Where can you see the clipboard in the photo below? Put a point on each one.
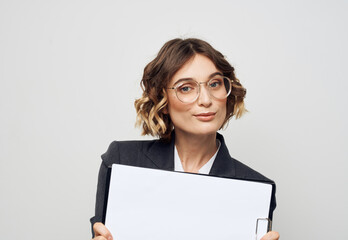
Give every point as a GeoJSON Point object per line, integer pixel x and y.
{"type": "Point", "coordinates": [159, 204]}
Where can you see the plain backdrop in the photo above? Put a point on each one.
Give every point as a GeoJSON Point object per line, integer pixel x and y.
{"type": "Point", "coordinates": [70, 72]}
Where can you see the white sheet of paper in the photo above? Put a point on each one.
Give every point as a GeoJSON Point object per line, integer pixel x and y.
{"type": "Point", "coordinates": [151, 204]}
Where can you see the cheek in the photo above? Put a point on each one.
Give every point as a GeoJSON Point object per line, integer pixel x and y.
{"type": "Point", "coordinates": [178, 111]}
{"type": "Point", "coordinates": [175, 105]}
{"type": "Point", "coordinates": [223, 109]}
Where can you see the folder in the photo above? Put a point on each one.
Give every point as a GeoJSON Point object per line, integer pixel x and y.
{"type": "Point", "coordinates": [144, 203]}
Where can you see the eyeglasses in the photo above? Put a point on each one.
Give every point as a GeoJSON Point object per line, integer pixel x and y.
{"type": "Point", "coordinates": [188, 90]}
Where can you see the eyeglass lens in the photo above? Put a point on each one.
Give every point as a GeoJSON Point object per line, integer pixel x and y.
{"type": "Point", "coordinates": [188, 90]}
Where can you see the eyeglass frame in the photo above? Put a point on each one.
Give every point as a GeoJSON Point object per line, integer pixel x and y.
{"type": "Point", "coordinates": [199, 88]}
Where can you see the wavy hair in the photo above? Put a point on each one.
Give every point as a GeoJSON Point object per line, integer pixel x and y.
{"type": "Point", "coordinates": [171, 57]}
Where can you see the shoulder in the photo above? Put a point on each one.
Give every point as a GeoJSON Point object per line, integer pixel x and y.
{"type": "Point", "coordinates": [227, 166]}
{"type": "Point", "coordinates": [126, 150]}
{"type": "Point", "coordinates": [245, 172]}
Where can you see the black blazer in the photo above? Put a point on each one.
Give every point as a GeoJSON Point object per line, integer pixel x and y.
{"type": "Point", "coordinates": [160, 155]}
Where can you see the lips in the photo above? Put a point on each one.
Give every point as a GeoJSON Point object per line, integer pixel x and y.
{"type": "Point", "coordinates": [205, 116]}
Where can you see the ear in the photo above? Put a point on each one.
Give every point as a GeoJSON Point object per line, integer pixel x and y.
{"type": "Point", "coordinates": [165, 109]}
{"type": "Point", "coordinates": [165, 99]}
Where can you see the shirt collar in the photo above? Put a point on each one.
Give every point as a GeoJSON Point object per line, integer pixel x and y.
{"type": "Point", "coordinates": [205, 169]}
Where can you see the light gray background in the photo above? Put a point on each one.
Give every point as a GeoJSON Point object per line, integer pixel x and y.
{"type": "Point", "coordinates": [70, 72]}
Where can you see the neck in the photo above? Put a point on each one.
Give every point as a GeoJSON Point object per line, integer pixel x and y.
{"type": "Point", "coordinates": [195, 150]}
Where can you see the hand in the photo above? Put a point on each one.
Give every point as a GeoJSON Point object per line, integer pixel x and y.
{"type": "Point", "coordinates": [101, 232]}
{"type": "Point", "coordinates": [271, 236]}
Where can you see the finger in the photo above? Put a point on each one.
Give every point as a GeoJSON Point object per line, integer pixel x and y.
{"type": "Point", "coordinates": [99, 238]}
{"type": "Point", "coordinates": [100, 230]}
{"type": "Point", "coordinates": [272, 235]}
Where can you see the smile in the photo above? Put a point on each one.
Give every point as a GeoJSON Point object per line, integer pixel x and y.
{"type": "Point", "coordinates": [205, 117]}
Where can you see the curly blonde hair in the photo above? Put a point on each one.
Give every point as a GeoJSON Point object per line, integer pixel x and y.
{"type": "Point", "coordinates": [172, 56]}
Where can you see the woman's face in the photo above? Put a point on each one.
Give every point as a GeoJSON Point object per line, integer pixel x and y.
{"type": "Point", "coordinates": [205, 115]}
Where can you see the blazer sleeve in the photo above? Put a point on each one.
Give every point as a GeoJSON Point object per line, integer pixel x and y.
{"type": "Point", "coordinates": [273, 202]}
{"type": "Point", "coordinates": [108, 158]}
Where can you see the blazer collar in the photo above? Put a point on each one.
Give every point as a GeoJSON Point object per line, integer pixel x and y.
{"type": "Point", "coordinates": [224, 165]}
{"type": "Point", "coordinates": [162, 155]}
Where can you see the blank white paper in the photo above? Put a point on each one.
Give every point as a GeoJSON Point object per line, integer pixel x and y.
{"type": "Point", "coordinates": [151, 204]}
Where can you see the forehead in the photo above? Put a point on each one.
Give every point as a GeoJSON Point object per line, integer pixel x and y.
{"type": "Point", "coordinates": [198, 67]}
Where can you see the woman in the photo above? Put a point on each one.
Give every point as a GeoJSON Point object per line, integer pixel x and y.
{"type": "Point", "coordinates": [189, 92]}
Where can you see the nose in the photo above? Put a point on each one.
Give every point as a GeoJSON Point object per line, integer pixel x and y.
{"type": "Point", "coordinates": [204, 98]}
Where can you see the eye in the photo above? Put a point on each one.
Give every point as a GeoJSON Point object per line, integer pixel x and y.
{"type": "Point", "coordinates": [215, 83]}
{"type": "Point", "coordinates": [187, 87]}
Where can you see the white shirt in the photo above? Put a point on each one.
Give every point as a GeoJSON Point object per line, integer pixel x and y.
{"type": "Point", "coordinates": [205, 169]}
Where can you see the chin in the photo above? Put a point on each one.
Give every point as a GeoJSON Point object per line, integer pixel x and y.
{"type": "Point", "coordinates": [199, 128]}
{"type": "Point", "coordinates": [205, 130]}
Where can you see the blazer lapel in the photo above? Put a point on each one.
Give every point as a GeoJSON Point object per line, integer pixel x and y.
{"type": "Point", "coordinates": [162, 154]}
{"type": "Point", "coordinates": [224, 165]}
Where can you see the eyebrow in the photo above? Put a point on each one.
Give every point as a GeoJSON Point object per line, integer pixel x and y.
{"type": "Point", "coordinates": [209, 77]}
